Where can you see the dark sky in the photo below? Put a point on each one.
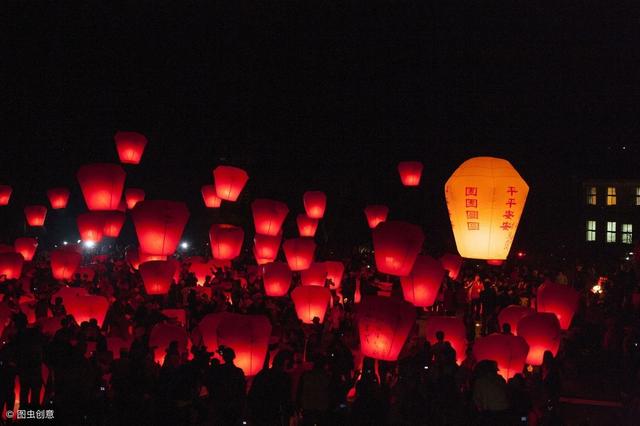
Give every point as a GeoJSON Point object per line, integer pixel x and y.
{"type": "Point", "coordinates": [327, 95]}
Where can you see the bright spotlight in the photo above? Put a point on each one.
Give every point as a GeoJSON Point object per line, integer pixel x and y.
{"type": "Point", "coordinates": [184, 245]}
{"type": "Point", "coordinates": [89, 244]}
{"type": "Point", "coordinates": [64, 243]}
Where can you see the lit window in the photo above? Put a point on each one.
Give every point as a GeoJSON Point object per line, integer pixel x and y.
{"type": "Point", "coordinates": [611, 232]}
{"type": "Point", "coordinates": [637, 195]}
{"type": "Point", "coordinates": [627, 233]}
{"type": "Point", "coordinates": [591, 230]}
{"type": "Point", "coordinates": [611, 196]}
{"type": "Point", "coordinates": [591, 195]}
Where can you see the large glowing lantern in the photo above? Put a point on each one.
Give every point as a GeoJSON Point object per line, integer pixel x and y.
{"type": "Point", "coordinates": [559, 299]}
{"type": "Point", "coordinates": [26, 246]}
{"type": "Point", "coordinates": [299, 252]}
{"type": "Point", "coordinates": [542, 331]}
{"type": "Point", "coordinates": [454, 333]}
{"type": "Point", "coordinates": [102, 185]}
{"type": "Point", "coordinates": [512, 314]}
{"type": "Point", "coordinates": [226, 241]}
{"type": "Point", "coordinates": [248, 336]}
{"type": "Point", "coordinates": [64, 263]}
{"type": "Point", "coordinates": [35, 215]}
{"type": "Point", "coordinates": [162, 334]}
{"type": "Point", "coordinates": [376, 214]}
{"type": "Point", "coordinates": [307, 226]}
{"type": "Point", "coordinates": [311, 302]}
{"type": "Point", "coordinates": [396, 245]}
{"type": "Point", "coordinates": [315, 274]}
{"type": "Point", "coordinates": [229, 182]}
{"type": "Point", "coordinates": [315, 203]}
{"type": "Point", "coordinates": [384, 325]}
{"type": "Point", "coordinates": [452, 263]}
{"type": "Point", "coordinates": [509, 351]}
{"type": "Point", "coordinates": [91, 226]}
{"type": "Point", "coordinates": [113, 222]}
{"type": "Point", "coordinates": [133, 196]}
{"type": "Point", "coordinates": [58, 197]}
{"type": "Point", "coordinates": [148, 257]}
{"type": "Point", "coordinates": [268, 216]}
{"type": "Point", "coordinates": [485, 197]}
{"type": "Point", "coordinates": [85, 308]}
{"type": "Point", "coordinates": [421, 286]}
{"type": "Point", "coordinates": [159, 225]}
{"type": "Point", "coordinates": [410, 172]}
{"type": "Point", "coordinates": [265, 247]}
{"type": "Point", "coordinates": [335, 270]}
{"type": "Point", "coordinates": [210, 197]}
{"type": "Point", "coordinates": [11, 266]}
{"type": "Point", "coordinates": [276, 277]}
{"type": "Point", "coordinates": [157, 275]}
{"type": "Point", "coordinates": [5, 194]}
{"type": "Point", "coordinates": [130, 146]}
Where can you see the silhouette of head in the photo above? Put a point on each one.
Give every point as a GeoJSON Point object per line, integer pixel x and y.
{"type": "Point", "coordinates": [440, 335]}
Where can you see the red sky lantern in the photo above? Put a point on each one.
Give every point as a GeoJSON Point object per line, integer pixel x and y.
{"type": "Point", "coordinates": [226, 241]}
{"type": "Point", "coordinates": [384, 325]}
{"type": "Point", "coordinates": [101, 185]}
{"type": "Point", "coordinates": [396, 245]}
{"type": "Point", "coordinates": [335, 270]}
{"type": "Point", "coordinates": [132, 196]}
{"type": "Point", "coordinates": [299, 252]}
{"type": "Point", "coordinates": [58, 197]}
{"type": "Point", "coordinates": [376, 214]}
{"type": "Point", "coordinates": [130, 146]}
{"type": "Point", "coordinates": [512, 314]}
{"type": "Point", "coordinates": [159, 225]}
{"type": "Point", "coordinates": [265, 247]}
{"type": "Point", "coordinates": [421, 286]}
{"type": "Point", "coordinates": [248, 336]}
{"type": "Point", "coordinates": [5, 194]}
{"type": "Point", "coordinates": [210, 197]}
{"type": "Point", "coordinates": [148, 257]}
{"type": "Point", "coordinates": [307, 226]}
{"type": "Point", "coordinates": [268, 216]}
{"type": "Point", "coordinates": [229, 182]}
{"type": "Point", "coordinates": [35, 215]}
{"type": "Point", "coordinates": [315, 203]}
{"type": "Point", "coordinates": [113, 222]}
{"type": "Point", "coordinates": [26, 246]}
{"type": "Point", "coordinates": [542, 331]}
{"type": "Point", "coordinates": [84, 308]}
{"type": "Point", "coordinates": [410, 172]}
{"type": "Point", "coordinates": [157, 275]}
{"type": "Point", "coordinates": [452, 263]}
{"type": "Point", "coordinates": [559, 299]}
{"type": "Point", "coordinates": [64, 263]}
{"type": "Point", "coordinates": [162, 334]}
{"type": "Point", "coordinates": [315, 274]}
{"type": "Point", "coordinates": [201, 269]}
{"type": "Point", "coordinates": [510, 352]}
{"type": "Point", "coordinates": [495, 262]}
{"type": "Point", "coordinates": [454, 333]}
{"type": "Point", "coordinates": [357, 295]}
{"type": "Point", "coordinates": [10, 266]}
{"type": "Point", "coordinates": [276, 277]}
{"type": "Point", "coordinates": [311, 302]}
{"type": "Point", "coordinates": [91, 226]}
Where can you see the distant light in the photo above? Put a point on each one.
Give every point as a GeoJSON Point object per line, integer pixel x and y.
{"type": "Point", "coordinates": [521, 254]}
{"type": "Point", "coordinates": [184, 245]}
{"type": "Point", "coordinates": [89, 244]}
{"type": "Point", "coordinates": [630, 253]}
{"type": "Point", "coordinates": [79, 241]}
{"type": "Point", "coordinates": [596, 289]}
{"type": "Point", "coordinates": [626, 258]}
{"type": "Point", "coordinates": [64, 243]}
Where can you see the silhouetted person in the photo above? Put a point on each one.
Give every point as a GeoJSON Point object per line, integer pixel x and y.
{"type": "Point", "coordinates": [490, 394]}
{"type": "Point", "coordinates": [228, 389]}
{"type": "Point", "coordinates": [552, 388]}
{"type": "Point", "coordinates": [369, 406]}
{"type": "Point", "coordinates": [506, 328]}
{"type": "Point", "coordinates": [313, 393]}
{"type": "Point", "coordinates": [270, 394]}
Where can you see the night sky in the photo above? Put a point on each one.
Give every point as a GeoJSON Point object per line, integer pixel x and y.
{"type": "Point", "coordinates": [327, 96]}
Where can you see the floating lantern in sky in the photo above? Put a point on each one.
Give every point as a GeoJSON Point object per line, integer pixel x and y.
{"type": "Point", "coordinates": [421, 286]}
{"type": "Point", "coordinates": [91, 226]}
{"type": "Point", "coordinates": [58, 197]}
{"type": "Point", "coordinates": [452, 263]}
{"type": "Point", "coordinates": [315, 203]}
{"type": "Point", "coordinates": [511, 315]}
{"type": "Point", "coordinates": [113, 221]}
{"type": "Point", "coordinates": [376, 214]}
{"type": "Point", "coordinates": [410, 172]}
{"type": "Point", "coordinates": [101, 185]}
{"type": "Point", "coordinates": [268, 216]}
{"type": "Point", "coordinates": [396, 245]}
{"type": "Point", "coordinates": [132, 196]}
{"type": "Point", "coordinates": [559, 299]}
{"type": "Point", "coordinates": [229, 182]}
{"type": "Point", "coordinates": [299, 252]}
{"type": "Point", "coordinates": [266, 247]}
{"type": "Point", "coordinates": [210, 197]}
{"type": "Point", "coordinates": [315, 274]}
{"type": "Point", "coordinates": [276, 277]}
{"type": "Point", "coordinates": [542, 332]}
{"type": "Point", "coordinates": [159, 225]}
{"type": "Point", "coordinates": [248, 336]}
{"type": "Point", "coordinates": [226, 241]}
{"type": "Point", "coordinates": [130, 146]}
{"type": "Point", "coordinates": [10, 266]}
{"type": "Point", "coordinates": [35, 215]}
{"type": "Point", "coordinates": [509, 351]}
{"type": "Point", "coordinates": [5, 194]}
{"type": "Point", "coordinates": [384, 325]}
{"type": "Point", "coordinates": [85, 308]}
{"type": "Point", "coordinates": [310, 302]}
{"type": "Point", "coordinates": [64, 263]}
{"type": "Point", "coordinates": [157, 276]}
{"type": "Point", "coordinates": [26, 246]}
{"type": "Point", "coordinates": [307, 226]}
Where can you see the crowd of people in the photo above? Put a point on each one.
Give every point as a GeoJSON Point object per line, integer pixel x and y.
{"type": "Point", "coordinates": [313, 374]}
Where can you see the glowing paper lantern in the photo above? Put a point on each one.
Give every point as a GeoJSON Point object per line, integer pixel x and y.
{"type": "Point", "coordinates": [132, 196]}
{"type": "Point", "coordinates": [559, 299]}
{"type": "Point", "coordinates": [207, 330]}
{"type": "Point", "coordinates": [157, 275]}
{"type": "Point", "coordinates": [11, 266]}
{"type": "Point", "coordinates": [229, 182]}
{"type": "Point", "coordinates": [162, 334]}
{"type": "Point", "coordinates": [335, 270]}
{"type": "Point", "coordinates": [307, 226]}
{"type": "Point", "coordinates": [485, 197]}
{"type": "Point", "coordinates": [26, 246]}
{"type": "Point", "coordinates": [101, 185]}
{"type": "Point", "coordinates": [113, 222]}
{"type": "Point", "coordinates": [85, 308]}
{"type": "Point", "coordinates": [376, 214]}
{"type": "Point", "coordinates": [35, 215]}
{"type": "Point", "coordinates": [421, 286]}
{"type": "Point", "coordinates": [91, 226]}
{"type": "Point", "coordinates": [384, 325]}
{"type": "Point", "coordinates": [201, 269]}
{"type": "Point", "coordinates": [542, 331]}
{"type": "Point", "coordinates": [265, 247]}
{"type": "Point", "coordinates": [315, 274]}
{"type": "Point", "coordinates": [276, 278]}
{"type": "Point", "coordinates": [310, 302]}
{"type": "Point", "coordinates": [357, 295]}
{"type": "Point", "coordinates": [510, 352]}
{"type": "Point", "coordinates": [58, 197]}
{"type": "Point", "coordinates": [130, 146]}
{"type": "Point", "coordinates": [226, 241]}
{"type": "Point", "coordinates": [512, 314]}
{"type": "Point", "coordinates": [147, 257]}
{"type": "Point", "coordinates": [410, 172]}
{"type": "Point", "coordinates": [494, 262]}
{"type": "Point", "coordinates": [159, 225]}
{"type": "Point", "coordinates": [454, 333]}
{"type": "Point", "coordinates": [64, 263]}
{"type": "Point", "coordinates": [210, 197]}
{"type": "Point", "coordinates": [268, 216]}
{"type": "Point", "coordinates": [452, 263]}
{"type": "Point", "coordinates": [315, 203]}
{"type": "Point", "coordinates": [248, 336]}
{"type": "Point", "coordinates": [396, 246]}
{"type": "Point", "coordinates": [5, 194]}
{"type": "Point", "coordinates": [299, 253]}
